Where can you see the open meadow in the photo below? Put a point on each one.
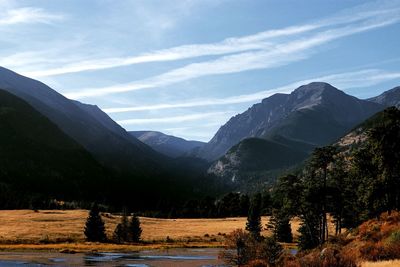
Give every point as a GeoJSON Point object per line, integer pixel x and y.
{"type": "Point", "coordinates": [50, 228]}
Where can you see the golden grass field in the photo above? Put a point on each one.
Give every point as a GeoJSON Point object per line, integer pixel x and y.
{"type": "Point", "coordinates": [393, 263]}
{"type": "Point", "coordinates": [49, 226]}
{"type": "Point", "coordinates": [58, 229]}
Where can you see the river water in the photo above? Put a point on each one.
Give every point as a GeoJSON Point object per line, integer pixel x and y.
{"type": "Point", "coordinates": [152, 258]}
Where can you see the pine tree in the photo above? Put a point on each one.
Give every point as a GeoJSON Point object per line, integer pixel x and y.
{"type": "Point", "coordinates": [253, 224]}
{"type": "Point", "coordinates": [309, 232]}
{"type": "Point", "coordinates": [118, 234]}
{"type": "Point", "coordinates": [135, 231]}
{"type": "Point", "coordinates": [320, 160]}
{"type": "Point", "coordinates": [94, 228]}
{"type": "Point", "coordinates": [121, 233]}
{"type": "Point", "coordinates": [280, 225]}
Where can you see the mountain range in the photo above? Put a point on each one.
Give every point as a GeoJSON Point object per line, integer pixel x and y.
{"type": "Point", "coordinates": [129, 166]}
{"type": "Point", "coordinates": [251, 148]}
{"type": "Point", "coordinates": [88, 125]}
{"type": "Point", "coordinates": [388, 98]}
{"type": "Point", "coordinates": [167, 144]}
{"type": "Point", "coordinates": [283, 129]}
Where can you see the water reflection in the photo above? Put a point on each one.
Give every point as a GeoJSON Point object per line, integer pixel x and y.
{"type": "Point", "coordinates": [173, 257]}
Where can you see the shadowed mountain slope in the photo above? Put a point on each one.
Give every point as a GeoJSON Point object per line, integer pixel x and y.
{"type": "Point", "coordinates": [166, 144]}
{"type": "Point", "coordinates": [38, 158]}
{"type": "Point", "coordinates": [108, 142]}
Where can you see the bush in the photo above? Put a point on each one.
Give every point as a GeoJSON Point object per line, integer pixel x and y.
{"type": "Point", "coordinates": [270, 251]}
{"type": "Point", "coordinates": [331, 256]}
{"type": "Point", "coordinates": [242, 248]}
{"type": "Point", "coordinates": [258, 263]}
{"type": "Point", "coordinates": [239, 248]}
{"type": "Point", "coordinates": [394, 238]}
{"type": "Point", "coordinates": [289, 260]}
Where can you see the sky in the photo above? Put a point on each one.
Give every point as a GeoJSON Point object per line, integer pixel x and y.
{"type": "Point", "coordinates": [184, 67]}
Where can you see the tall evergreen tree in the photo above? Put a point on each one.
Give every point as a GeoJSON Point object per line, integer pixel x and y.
{"type": "Point", "coordinates": [321, 158]}
{"type": "Point", "coordinates": [135, 231]}
{"type": "Point", "coordinates": [280, 225]}
{"type": "Point", "coordinates": [253, 224]}
{"type": "Point", "coordinates": [94, 228]}
{"type": "Point", "coordinates": [309, 231]}
{"type": "Point", "coordinates": [121, 233]}
{"type": "Point", "coordinates": [118, 234]}
{"type": "Point", "coordinates": [385, 147]}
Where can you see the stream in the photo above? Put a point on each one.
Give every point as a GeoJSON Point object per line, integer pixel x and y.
{"type": "Point", "coordinates": [151, 258]}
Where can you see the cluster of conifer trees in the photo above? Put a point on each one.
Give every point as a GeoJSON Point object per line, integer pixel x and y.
{"type": "Point", "coordinates": [126, 231]}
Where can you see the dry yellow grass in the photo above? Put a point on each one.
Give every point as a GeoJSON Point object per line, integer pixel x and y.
{"type": "Point", "coordinates": [49, 226]}
{"type": "Point", "coordinates": [394, 263]}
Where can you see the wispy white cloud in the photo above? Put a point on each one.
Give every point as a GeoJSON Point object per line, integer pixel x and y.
{"type": "Point", "coordinates": [258, 41]}
{"type": "Point", "coordinates": [356, 79]}
{"type": "Point", "coordinates": [175, 119]}
{"type": "Point", "coordinates": [278, 55]}
{"type": "Point", "coordinates": [25, 15]}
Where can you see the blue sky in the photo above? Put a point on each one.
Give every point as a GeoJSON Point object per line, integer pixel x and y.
{"type": "Point", "coordinates": [184, 67]}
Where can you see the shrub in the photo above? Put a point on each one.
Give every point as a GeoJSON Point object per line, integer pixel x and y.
{"type": "Point", "coordinates": [270, 251]}
{"type": "Point", "coordinates": [258, 263]}
{"type": "Point", "coordinates": [394, 237]}
{"type": "Point", "coordinates": [373, 251]}
{"type": "Point", "coordinates": [289, 260]}
{"type": "Point", "coordinates": [330, 256]}
{"type": "Point", "coordinates": [239, 248]}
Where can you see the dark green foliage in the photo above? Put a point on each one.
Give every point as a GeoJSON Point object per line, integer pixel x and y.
{"type": "Point", "coordinates": [244, 205]}
{"type": "Point", "coordinates": [253, 224]}
{"type": "Point", "coordinates": [320, 160]}
{"type": "Point", "coordinates": [266, 203]}
{"type": "Point", "coordinates": [286, 202]}
{"type": "Point", "coordinates": [94, 228]}
{"type": "Point", "coordinates": [280, 225]}
{"type": "Point", "coordinates": [241, 249]}
{"type": "Point", "coordinates": [135, 231]}
{"type": "Point", "coordinates": [229, 205]}
{"type": "Point", "coordinates": [271, 251]}
{"type": "Point", "coordinates": [121, 233]}
{"type": "Point", "coordinates": [352, 183]}
{"type": "Point", "coordinates": [310, 232]}
{"type": "Point", "coordinates": [385, 148]}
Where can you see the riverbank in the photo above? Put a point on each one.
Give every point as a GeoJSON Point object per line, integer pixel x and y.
{"type": "Point", "coordinates": [87, 247]}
